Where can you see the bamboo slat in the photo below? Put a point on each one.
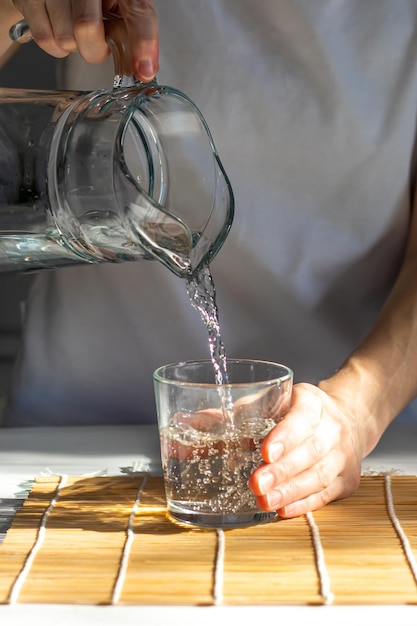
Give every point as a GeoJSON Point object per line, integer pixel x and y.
{"type": "Point", "coordinates": [108, 540]}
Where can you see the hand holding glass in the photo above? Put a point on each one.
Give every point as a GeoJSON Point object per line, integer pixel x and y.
{"type": "Point", "coordinates": [211, 437]}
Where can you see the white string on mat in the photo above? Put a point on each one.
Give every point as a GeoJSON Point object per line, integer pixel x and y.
{"type": "Point", "coordinates": [130, 536]}
{"type": "Point", "coordinates": [325, 587]}
{"type": "Point", "coordinates": [20, 580]}
{"type": "Point", "coordinates": [398, 528]}
{"type": "Point", "coordinates": [219, 568]}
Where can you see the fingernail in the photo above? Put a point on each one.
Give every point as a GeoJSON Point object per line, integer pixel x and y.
{"type": "Point", "coordinates": [275, 451]}
{"type": "Point", "coordinates": [266, 481]}
{"type": "Point", "coordinates": [146, 69]}
{"type": "Point", "coordinates": [274, 498]}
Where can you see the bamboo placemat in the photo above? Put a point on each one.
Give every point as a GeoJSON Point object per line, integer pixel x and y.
{"type": "Point", "coordinates": [107, 540]}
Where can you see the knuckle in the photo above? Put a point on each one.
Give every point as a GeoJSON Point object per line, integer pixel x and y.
{"type": "Point", "coordinates": [316, 447]}
{"type": "Point", "coordinates": [292, 492]}
{"type": "Point", "coordinates": [323, 476]}
{"type": "Point", "coordinates": [283, 471]}
{"type": "Point", "coordinates": [87, 26]}
{"type": "Point", "coordinates": [324, 497]}
{"type": "Point", "coordinates": [66, 42]}
{"type": "Point", "coordinates": [50, 44]}
{"type": "Point", "coordinates": [46, 41]}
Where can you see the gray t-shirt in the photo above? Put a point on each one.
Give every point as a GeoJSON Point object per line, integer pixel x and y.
{"type": "Point", "coordinates": [312, 106]}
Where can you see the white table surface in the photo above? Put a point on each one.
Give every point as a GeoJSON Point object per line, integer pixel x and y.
{"type": "Point", "coordinates": [27, 452]}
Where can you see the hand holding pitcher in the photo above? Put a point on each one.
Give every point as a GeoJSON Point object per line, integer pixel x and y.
{"type": "Point", "coordinates": [60, 27]}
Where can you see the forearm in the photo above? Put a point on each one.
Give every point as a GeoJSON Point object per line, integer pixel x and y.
{"type": "Point", "coordinates": [9, 15]}
{"type": "Point", "coordinates": [380, 377]}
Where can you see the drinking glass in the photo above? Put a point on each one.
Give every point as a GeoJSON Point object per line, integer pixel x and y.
{"type": "Point", "coordinates": [211, 437]}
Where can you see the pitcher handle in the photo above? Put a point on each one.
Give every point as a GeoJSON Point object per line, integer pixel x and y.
{"type": "Point", "coordinates": [116, 38]}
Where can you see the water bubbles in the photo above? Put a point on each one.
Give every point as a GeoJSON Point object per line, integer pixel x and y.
{"type": "Point", "coordinates": [210, 473]}
{"type": "Point", "coordinates": [204, 467]}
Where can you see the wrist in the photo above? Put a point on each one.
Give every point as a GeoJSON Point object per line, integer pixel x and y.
{"type": "Point", "coordinates": [364, 398]}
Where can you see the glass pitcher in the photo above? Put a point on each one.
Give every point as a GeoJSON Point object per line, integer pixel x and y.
{"type": "Point", "coordinates": [112, 175]}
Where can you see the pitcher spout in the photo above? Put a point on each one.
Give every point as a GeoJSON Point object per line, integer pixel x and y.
{"type": "Point", "coordinates": [162, 235]}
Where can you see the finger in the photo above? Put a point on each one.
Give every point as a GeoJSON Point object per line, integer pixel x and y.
{"type": "Point", "coordinates": [88, 26]}
{"type": "Point", "coordinates": [60, 18]}
{"type": "Point", "coordinates": [318, 479]}
{"type": "Point", "coordinates": [271, 475]}
{"type": "Point", "coordinates": [310, 453]}
{"type": "Point", "coordinates": [142, 27]}
{"type": "Point", "coordinates": [37, 16]}
{"type": "Point", "coordinates": [296, 426]}
{"type": "Point", "coordinates": [340, 488]}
